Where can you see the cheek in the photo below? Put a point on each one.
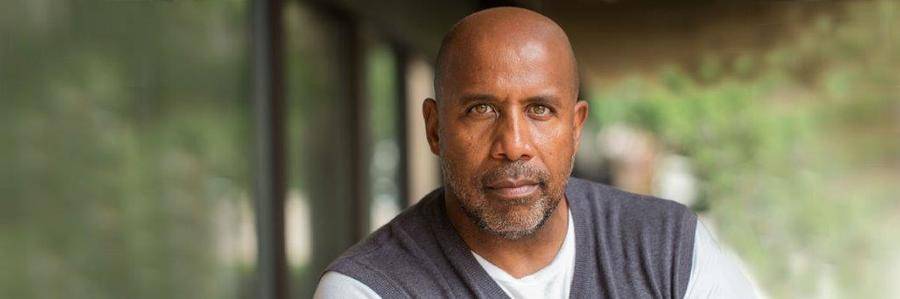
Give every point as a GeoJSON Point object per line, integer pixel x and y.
{"type": "Point", "coordinates": [556, 143]}
{"type": "Point", "coordinates": [467, 147]}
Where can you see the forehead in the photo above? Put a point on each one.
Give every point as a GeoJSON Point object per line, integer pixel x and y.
{"type": "Point", "coordinates": [508, 69]}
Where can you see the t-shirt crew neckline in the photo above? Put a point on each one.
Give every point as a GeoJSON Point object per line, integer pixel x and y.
{"type": "Point", "coordinates": [564, 260]}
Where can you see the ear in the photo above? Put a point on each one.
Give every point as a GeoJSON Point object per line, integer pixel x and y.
{"type": "Point", "coordinates": [581, 114]}
{"type": "Point", "coordinates": [430, 113]}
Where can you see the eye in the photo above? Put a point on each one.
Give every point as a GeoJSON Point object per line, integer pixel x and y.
{"type": "Point", "coordinates": [481, 109]}
{"type": "Point", "coordinates": [539, 110]}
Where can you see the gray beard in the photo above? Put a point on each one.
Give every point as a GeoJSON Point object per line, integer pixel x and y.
{"type": "Point", "coordinates": [495, 218]}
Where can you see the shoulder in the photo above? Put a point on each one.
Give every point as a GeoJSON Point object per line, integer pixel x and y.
{"type": "Point", "coordinates": [635, 233]}
{"type": "Point", "coordinates": [337, 285]}
{"type": "Point", "coordinates": [625, 206]}
{"type": "Point", "coordinates": [716, 273]}
{"type": "Point", "coordinates": [631, 218]}
{"type": "Point", "coordinates": [394, 254]}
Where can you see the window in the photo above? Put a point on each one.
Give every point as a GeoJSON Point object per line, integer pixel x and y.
{"type": "Point", "coordinates": [321, 142]}
{"type": "Point", "coordinates": [126, 157]}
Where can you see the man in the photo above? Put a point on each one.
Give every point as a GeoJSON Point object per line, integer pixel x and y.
{"type": "Point", "coordinates": [509, 222]}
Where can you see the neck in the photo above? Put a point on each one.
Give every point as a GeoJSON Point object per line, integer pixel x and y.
{"type": "Point", "coordinates": [519, 257]}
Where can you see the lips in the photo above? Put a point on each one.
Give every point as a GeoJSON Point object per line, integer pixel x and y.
{"type": "Point", "coordinates": [513, 188]}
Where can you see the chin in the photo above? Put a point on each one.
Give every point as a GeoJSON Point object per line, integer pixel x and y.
{"type": "Point", "coordinates": [514, 221]}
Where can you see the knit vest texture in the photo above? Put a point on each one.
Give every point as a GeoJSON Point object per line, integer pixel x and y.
{"type": "Point", "coordinates": [626, 246]}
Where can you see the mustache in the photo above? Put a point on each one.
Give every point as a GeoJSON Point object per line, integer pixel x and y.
{"type": "Point", "coordinates": [516, 169]}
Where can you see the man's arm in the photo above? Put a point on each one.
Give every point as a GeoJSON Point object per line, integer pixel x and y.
{"type": "Point", "coordinates": [337, 285]}
{"type": "Point", "coordinates": [715, 274]}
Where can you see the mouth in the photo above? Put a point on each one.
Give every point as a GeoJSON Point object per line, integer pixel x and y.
{"type": "Point", "coordinates": [513, 188]}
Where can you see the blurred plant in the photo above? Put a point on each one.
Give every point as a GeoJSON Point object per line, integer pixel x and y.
{"type": "Point", "coordinates": [124, 131]}
{"type": "Point", "coordinates": [796, 149]}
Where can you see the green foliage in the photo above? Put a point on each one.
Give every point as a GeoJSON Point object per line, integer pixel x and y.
{"type": "Point", "coordinates": [124, 128]}
{"type": "Point", "coordinates": [796, 149]}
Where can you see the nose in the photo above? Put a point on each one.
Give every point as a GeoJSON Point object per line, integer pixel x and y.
{"type": "Point", "coordinates": [512, 139]}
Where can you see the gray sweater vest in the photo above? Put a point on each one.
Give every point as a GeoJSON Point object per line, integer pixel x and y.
{"type": "Point", "coordinates": [626, 246]}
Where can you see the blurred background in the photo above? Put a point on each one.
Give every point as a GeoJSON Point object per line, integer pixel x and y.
{"type": "Point", "coordinates": [233, 148]}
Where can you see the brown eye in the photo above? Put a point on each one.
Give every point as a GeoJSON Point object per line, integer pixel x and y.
{"type": "Point", "coordinates": [482, 109]}
{"type": "Point", "coordinates": [539, 110]}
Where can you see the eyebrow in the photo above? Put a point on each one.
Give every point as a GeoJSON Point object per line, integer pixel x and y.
{"type": "Point", "coordinates": [543, 99]}
{"type": "Point", "coordinates": [467, 99]}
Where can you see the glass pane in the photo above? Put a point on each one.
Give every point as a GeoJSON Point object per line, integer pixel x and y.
{"type": "Point", "coordinates": [125, 170]}
{"type": "Point", "coordinates": [320, 147]}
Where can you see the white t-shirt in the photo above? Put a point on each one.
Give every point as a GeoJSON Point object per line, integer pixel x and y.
{"type": "Point", "coordinates": [713, 275]}
{"type": "Point", "coordinates": [553, 281]}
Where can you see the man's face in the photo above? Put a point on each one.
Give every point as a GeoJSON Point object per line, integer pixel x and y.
{"type": "Point", "coordinates": [506, 130]}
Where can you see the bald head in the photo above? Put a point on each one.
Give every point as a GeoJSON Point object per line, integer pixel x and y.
{"type": "Point", "coordinates": [491, 43]}
{"type": "Point", "coordinates": [507, 110]}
